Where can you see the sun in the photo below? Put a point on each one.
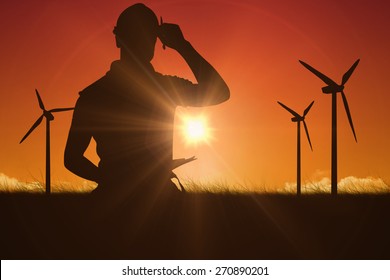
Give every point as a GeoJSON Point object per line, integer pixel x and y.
{"type": "Point", "coordinates": [195, 129]}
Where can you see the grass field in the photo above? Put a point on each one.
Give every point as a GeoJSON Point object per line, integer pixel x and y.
{"type": "Point", "coordinates": [210, 221]}
{"type": "Point", "coordinates": [349, 185]}
{"type": "Point", "coordinates": [195, 226]}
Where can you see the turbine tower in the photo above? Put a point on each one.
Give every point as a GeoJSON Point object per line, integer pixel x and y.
{"type": "Point", "coordinates": [49, 117]}
{"type": "Point", "coordinates": [298, 119]}
{"type": "Point", "coordinates": [333, 88]}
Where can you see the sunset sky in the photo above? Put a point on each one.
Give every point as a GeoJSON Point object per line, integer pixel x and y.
{"type": "Point", "coordinates": [60, 47]}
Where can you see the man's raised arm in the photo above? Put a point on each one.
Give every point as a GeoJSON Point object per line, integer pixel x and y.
{"type": "Point", "coordinates": [212, 89]}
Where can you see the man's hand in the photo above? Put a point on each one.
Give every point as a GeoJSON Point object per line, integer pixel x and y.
{"type": "Point", "coordinates": [171, 36]}
{"type": "Point", "coordinates": [211, 88]}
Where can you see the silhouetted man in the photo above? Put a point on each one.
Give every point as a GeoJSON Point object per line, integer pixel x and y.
{"type": "Point", "coordinates": [130, 111]}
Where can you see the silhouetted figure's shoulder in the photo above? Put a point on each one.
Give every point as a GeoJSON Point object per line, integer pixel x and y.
{"type": "Point", "coordinates": [96, 94]}
{"type": "Point", "coordinates": [95, 88]}
{"type": "Point", "coordinates": [120, 81]}
{"type": "Point", "coordinates": [115, 76]}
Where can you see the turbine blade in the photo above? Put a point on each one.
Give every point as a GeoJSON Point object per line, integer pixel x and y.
{"type": "Point", "coordinates": [308, 109]}
{"type": "Point", "coordinates": [38, 122]}
{"type": "Point", "coordinates": [348, 114]}
{"type": "Point", "coordinates": [60, 110]}
{"type": "Point", "coordinates": [40, 100]}
{"type": "Point", "coordinates": [348, 74]}
{"type": "Point", "coordinates": [324, 78]}
{"type": "Point", "coordinates": [290, 110]}
{"type": "Point", "coordinates": [307, 134]}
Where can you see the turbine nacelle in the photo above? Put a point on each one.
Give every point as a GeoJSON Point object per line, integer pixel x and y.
{"type": "Point", "coordinates": [298, 119]}
{"type": "Point", "coordinates": [333, 89]}
{"type": "Point", "coordinates": [48, 115]}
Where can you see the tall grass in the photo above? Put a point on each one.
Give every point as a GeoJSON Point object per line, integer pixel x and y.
{"type": "Point", "coordinates": [195, 186]}
{"type": "Point", "coordinates": [349, 185]}
{"type": "Point", "coordinates": [12, 185]}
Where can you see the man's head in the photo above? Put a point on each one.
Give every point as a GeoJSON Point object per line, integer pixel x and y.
{"type": "Point", "coordinates": [136, 32]}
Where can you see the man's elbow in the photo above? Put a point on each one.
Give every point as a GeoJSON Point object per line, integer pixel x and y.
{"type": "Point", "coordinates": [212, 94]}
{"type": "Point", "coordinates": [225, 93]}
{"type": "Point", "coordinates": [69, 160]}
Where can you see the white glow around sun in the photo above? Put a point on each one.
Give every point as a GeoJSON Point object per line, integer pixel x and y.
{"type": "Point", "coordinates": [195, 129]}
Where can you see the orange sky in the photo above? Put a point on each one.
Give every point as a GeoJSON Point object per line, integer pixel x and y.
{"type": "Point", "coordinates": [60, 47]}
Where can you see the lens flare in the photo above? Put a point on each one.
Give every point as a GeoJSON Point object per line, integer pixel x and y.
{"type": "Point", "coordinates": [195, 129]}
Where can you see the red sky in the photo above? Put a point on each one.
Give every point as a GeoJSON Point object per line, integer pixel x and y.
{"type": "Point", "coordinates": [60, 47]}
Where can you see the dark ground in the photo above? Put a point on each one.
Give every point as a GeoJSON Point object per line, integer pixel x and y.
{"type": "Point", "coordinates": [196, 226]}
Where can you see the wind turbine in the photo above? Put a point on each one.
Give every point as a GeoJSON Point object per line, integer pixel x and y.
{"type": "Point", "coordinates": [333, 88]}
{"type": "Point", "coordinates": [298, 119]}
{"type": "Point", "coordinates": [49, 117]}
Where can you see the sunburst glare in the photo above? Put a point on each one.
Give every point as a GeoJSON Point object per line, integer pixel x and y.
{"type": "Point", "coordinates": [195, 129]}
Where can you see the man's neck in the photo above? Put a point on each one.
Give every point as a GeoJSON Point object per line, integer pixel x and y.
{"type": "Point", "coordinates": [132, 61]}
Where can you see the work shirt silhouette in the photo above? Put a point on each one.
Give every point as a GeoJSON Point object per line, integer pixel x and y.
{"type": "Point", "coordinates": [130, 111]}
{"type": "Point", "coordinates": [130, 116]}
